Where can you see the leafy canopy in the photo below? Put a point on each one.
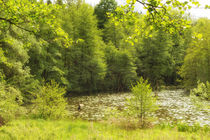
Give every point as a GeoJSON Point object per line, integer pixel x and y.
{"type": "Point", "coordinates": [158, 16]}
{"type": "Point", "coordinates": [29, 15]}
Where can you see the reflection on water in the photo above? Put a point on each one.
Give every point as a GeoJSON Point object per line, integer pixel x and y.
{"type": "Point", "coordinates": [174, 106]}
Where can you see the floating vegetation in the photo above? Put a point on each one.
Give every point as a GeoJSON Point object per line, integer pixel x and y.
{"type": "Point", "coordinates": [175, 106]}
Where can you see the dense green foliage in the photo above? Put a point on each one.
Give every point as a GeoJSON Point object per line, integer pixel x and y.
{"type": "Point", "coordinates": [66, 46]}
{"type": "Point", "coordinates": [84, 60]}
{"type": "Point", "coordinates": [49, 101]}
{"type": "Point", "coordinates": [154, 59]}
{"type": "Point", "coordinates": [88, 49]}
{"type": "Point", "coordinates": [121, 70]}
{"type": "Point", "coordinates": [103, 9]}
{"type": "Point", "coordinates": [202, 91]}
{"type": "Point", "coordinates": [10, 101]}
{"type": "Point", "coordinates": [196, 65]}
{"type": "Point", "coordinates": [201, 95]}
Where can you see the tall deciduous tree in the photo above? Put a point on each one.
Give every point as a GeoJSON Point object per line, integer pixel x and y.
{"type": "Point", "coordinates": [23, 25]}
{"type": "Point", "coordinates": [197, 60]}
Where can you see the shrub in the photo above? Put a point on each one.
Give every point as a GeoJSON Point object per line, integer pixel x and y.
{"type": "Point", "coordinates": [10, 101]}
{"type": "Point", "coordinates": [49, 102]}
{"type": "Point", "coordinates": [143, 102]}
{"type": "Point", "coordinates": [202, 90]}
{"type": "Point", "coordinates": [200, 94]}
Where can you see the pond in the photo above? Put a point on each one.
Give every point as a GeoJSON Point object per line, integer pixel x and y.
{"type": "Point", "coordinates": [174, 105]}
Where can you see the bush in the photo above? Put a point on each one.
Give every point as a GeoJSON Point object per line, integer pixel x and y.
{"type": "Point", "coordinates": [202, 90]}
{"type": "Point", "coordinates": [143, 102]}
{"type": "Point", "coordinates": [10, 101]}
{"type": "Point", "coordinates": [49, 102]}
{"type": "Point", "coordinates": [200, 94]}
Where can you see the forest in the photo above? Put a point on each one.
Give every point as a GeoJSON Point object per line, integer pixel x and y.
{"type": "Point", "coordinates": [57, 57]}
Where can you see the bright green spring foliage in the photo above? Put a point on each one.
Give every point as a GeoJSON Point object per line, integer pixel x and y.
{"type": "Point", "coordinates": [10, 101]}
{"type": "Point", "coordinates": [143, 102]}
{"type": "Point", "coordinates": [202, 91]}
{"type": "Point", "coordinates": [49, 102]}
{"type": "Point", "coordinates": [29, 15]}
{"type": "Point", "coordinates": [158, 15]}
{"type": "Point", "coordinates": [26, 14]}
{"type": "Point", "coordinates": [33, 33]}
{"type": "Point", "coordinates": [30, 42]}
{"type": "Point", "coordinates": [14, 58]}
{"type": "Point", "coordinates": [201, 95]}
{"type": "Point", "coordinates": [196, 65]}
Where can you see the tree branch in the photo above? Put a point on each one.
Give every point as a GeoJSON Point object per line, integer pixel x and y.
{"type": "Point", "coordinates": [13, 23]}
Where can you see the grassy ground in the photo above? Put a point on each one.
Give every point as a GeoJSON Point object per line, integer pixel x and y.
{"type": "Point", "coordinates": [82, 130]}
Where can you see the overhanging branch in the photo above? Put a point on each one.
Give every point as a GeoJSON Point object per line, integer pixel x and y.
{"type": "Point", "coordinates": [15, 24]}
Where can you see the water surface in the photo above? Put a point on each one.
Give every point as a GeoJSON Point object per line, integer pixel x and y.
{"type": "Point", "coordinates": [174, 105]}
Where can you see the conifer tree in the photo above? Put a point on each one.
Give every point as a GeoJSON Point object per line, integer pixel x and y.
{"type": "Point", "coordinates": [84, 60]}
{"type": "Point", "coordinates": [154, 59]}
{"type": "Point", "coordinates": [102, 9]}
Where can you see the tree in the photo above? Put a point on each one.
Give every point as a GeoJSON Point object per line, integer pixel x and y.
{"type": "Point", "coordinates": [102, 9]}
{"type": "Point", "coordinates": [60, 2]}
{"type": "Point", "coordinates": [154, 60]}
{"type": "Point", "coordinates": [46, 62]}
{"type": "Point", "coordinates": [121, 70]}
{"type": "Point", "coordinates": [114, 34]}
{"type": "Point", "coordinates": [157, 15]}
{"type": "Point", "coordinates": [49, 2]}
{"type": "Point", "coordinates": [120, 57]}
{"type": "Point", "coordinates": [143, 102]}
{"type": "Point", "coordinates": [46, 59]}
{"type": "Point", "coordinates": [84, 60]}
{"type": "Point", "coordinates": [15, 57]}
{"type": "Point", "coordinates": [25, 25]}
{"type": "Point", "coordinates": [197, 60]}
{"type": "Point", "coordinates": [28, 15]}
{"type": "Point", "coordinates": [180, 41]}
{"type": "Point", "coordinates": [19, 12]}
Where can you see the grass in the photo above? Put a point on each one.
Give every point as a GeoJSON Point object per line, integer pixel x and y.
{"type": "Point", "coordinates": [83, 130]}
